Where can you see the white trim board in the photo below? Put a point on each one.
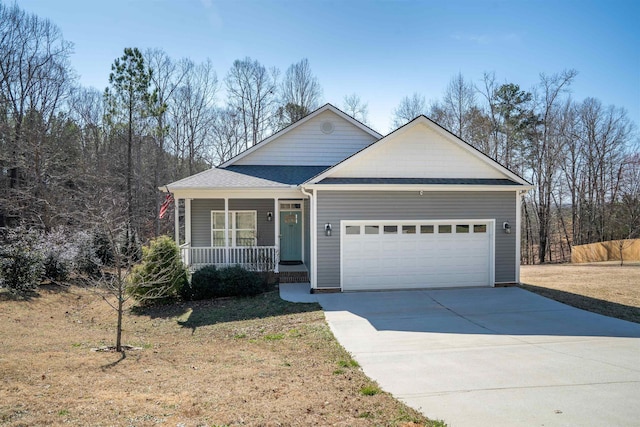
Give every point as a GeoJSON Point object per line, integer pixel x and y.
{"type": "Point", "coordinates": [415, 187]}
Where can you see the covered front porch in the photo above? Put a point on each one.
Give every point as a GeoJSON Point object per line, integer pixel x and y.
{"type": "Point", "coordinates": [245, 229]}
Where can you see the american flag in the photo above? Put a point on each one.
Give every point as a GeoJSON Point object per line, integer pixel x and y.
{"type": "Point", "coordinates": [165, 205]}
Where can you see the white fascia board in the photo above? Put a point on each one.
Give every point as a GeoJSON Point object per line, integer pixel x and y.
{"type": "Point", "coordinates": [326, 107]}
{"type": "Point", "coordinates": [415, 187]}
{"type": "Point", "coordinates": [238, 193]}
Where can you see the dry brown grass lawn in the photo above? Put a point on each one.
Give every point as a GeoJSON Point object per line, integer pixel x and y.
{"type": "Point", "coordinates": [605, 288]}
{"type": "Point", "coordinates": [254, 361]}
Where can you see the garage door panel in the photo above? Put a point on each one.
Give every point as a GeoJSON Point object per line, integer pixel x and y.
{"type": "Point", "coordinates": [417, 260]}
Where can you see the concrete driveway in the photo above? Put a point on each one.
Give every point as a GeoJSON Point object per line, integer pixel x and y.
{"type": "Point", "coordinates": [494, 356]}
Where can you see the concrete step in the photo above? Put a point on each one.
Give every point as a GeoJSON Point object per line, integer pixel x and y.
{"type": "Point", "coordinates": [294, 277]}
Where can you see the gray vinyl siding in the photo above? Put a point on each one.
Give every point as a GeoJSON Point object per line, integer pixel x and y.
{"type": "Point", "coordinates": [334, 206]}
{"type": "Point", "coordinates": [201, 218]}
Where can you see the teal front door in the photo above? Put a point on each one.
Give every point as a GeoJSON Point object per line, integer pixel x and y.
{"type": "Point", "coordinates": [290, 236]}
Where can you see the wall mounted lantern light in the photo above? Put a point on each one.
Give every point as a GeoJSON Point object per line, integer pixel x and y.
{"type": "Point", "coordinates": [506, 227]}
{"type": "Point", "coordinates": [327, 229]}
{"type": "Point", "coordinates": [269, 216]}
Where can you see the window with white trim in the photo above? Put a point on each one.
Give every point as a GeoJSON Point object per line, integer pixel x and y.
{"type": "Point", "coordinates": [242, 228]}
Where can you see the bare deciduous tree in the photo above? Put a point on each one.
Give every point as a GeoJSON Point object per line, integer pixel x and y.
{"type": "Point", "coordinates": [166, 77]}
{"type": "Point", "coordinates": [122, 278]}
{"type": "Point", "coordinates": [252, 92]}
{"type": "Point", "coordinates": [300, 93]}
{"type": "Point", "coordinates": [458, 102]}
{"type": "Point", "coordinates": [34, 80]}
{"type": "Point", "coordinates": [193, 113]}
{"type": "Point", "coordinates": [227, 135]}
{"type": "Point", "coordinates": [544, 152]}
{"type": "Point", "coordinates": [408, 109]}
{"type": "Point", "coordinates": [86, 108]}
{"type": "Point", "coordinates": [356, 108]}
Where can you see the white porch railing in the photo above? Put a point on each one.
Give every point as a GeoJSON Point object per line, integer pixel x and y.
{"type": "Point", "coordinates": [254, 258]}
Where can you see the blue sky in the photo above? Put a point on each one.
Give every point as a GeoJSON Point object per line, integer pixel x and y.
{"type": "Point", "coordinates": [381, 50]}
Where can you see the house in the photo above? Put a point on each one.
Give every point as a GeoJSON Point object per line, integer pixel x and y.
{"type": "Point", "coordinates": [417, 208]}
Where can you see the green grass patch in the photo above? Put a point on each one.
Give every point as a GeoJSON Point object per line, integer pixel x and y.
{"type": "Point", "coordinates": [274, 337]}
{"type": "Point", "coordinates": [350, 363]}
{"type": "Point", "coordinates": [338, 372]}
{"type": "Point", "coordinates": [294, 333]}
{"type": "Point", "coordinates": [405, 417]}
{"type": "Point", "coordinates": [369, 390]}
{"type": "Point", "coordinates": [63, 412]}
{"type": "Point", "coordinates": [365, 415]}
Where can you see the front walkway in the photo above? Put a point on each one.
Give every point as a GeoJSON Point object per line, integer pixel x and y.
{"type": "Point", "coordinates": [499, 356]}
{"type": "Point", "coordinates": [297, 292]}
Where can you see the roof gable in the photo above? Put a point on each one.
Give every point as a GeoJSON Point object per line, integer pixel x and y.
{"type": "Point", "coordinates": [325, 137]}
{"type": "Point", "coordinates": [420, 149]}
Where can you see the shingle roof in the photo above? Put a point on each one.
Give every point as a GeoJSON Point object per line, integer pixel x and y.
{"type": "Point", "coordinates": [222, 178]}
{"type": "Point", "coordinates": [425, 181]}
{"type": "Point", "coordinates": [291, 175]}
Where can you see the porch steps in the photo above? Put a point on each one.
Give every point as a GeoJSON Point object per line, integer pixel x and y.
{"type": "Point", "coordinates": [293, 277]}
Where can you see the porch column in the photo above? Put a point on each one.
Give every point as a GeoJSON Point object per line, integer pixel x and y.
{"type": "Point", "coordinates": [226, 230]}
{"type": "Point", "coordinates": [187, 221]}
{"type": "Point", "coordinates": [314, 239]}
{"type": "Point", "coordinates": [517, 227]}
{"type": "Point", "coordinates": [176, 220]}
{"type": "Point", "coordinates": [276, 219]}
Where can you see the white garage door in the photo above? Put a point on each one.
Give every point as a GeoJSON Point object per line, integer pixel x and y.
{"type": "Point", "coordinates": [420, 254]}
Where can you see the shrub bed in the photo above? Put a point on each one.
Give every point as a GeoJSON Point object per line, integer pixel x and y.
{"type": "Point", "coordinates": [211, 282]}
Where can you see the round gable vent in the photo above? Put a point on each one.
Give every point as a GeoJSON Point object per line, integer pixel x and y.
{"type": "Point", "coordinates": [326, 127]}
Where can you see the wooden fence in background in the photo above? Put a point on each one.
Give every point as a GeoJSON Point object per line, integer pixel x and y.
{"type": "Point", "coordinates": [607, 251]}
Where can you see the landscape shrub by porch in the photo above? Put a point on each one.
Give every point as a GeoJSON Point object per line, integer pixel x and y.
{"type": "Point", "coordinates": [210, 282]}
{"type": "Point", "coordinates": [161, 274]}
{"type": "Point", "coordinates": [204, 283]}
{"type": "Point", "coordinates": [237, 281]}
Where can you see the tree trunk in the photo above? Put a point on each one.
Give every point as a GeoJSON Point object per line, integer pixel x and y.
{"type": "Point", "coordinates": [120, 296]}
{"type": "Point", "coordinates": [119, 327]}
{"type": "Point", "coordinates": [130, 166]}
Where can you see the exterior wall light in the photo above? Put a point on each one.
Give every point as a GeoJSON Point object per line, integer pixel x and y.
{"type": "Point", "coordinates": [269, 216]}
{"type": "Point", "coordinates": [506, 227]}
{"type": "Point", "coordinates": [327, 229]}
